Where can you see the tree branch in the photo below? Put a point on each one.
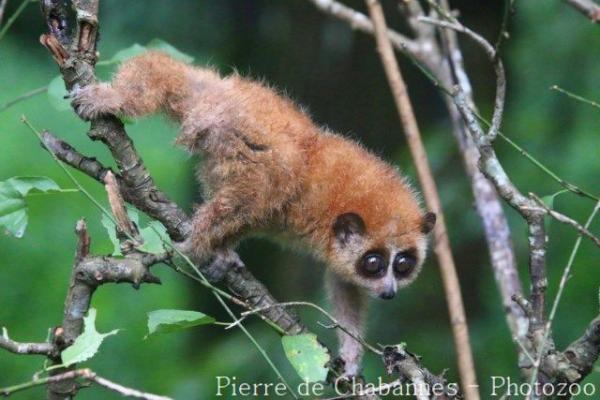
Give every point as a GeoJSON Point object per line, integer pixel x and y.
{"type": "Point", "coordinates": [88, 165]}
{"type": "Point", "coordinates": [88, 273]}
{"type": "Point", "coordinates": [587, 7]}
{"type": "Point", "coordinates": [3, 4]}
{"type": "Point", "coordinates": [583, 353]}
{"type": "Point", "coordinates": [7, 343]}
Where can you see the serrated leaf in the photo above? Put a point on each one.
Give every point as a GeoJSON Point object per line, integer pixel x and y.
{"type": "Point", "coordinates": [159, 44]}
{"type": "Point", "coordinates": [307, 356]}
{"type": "Point", "coordinates": [167, 321]}
{"type": "Point", "coordinates": [87, 344]}
{"type": "Point", "coordinates": [13, 208]}
{"type": "Point", "coordinates": [154, 235]}
{"type": "Point", "coordinates": [57, 94]}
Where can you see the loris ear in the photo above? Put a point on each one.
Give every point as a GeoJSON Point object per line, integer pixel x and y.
{"type": "Point", "coordinates": [428, 222]}
{"type": "Point", "coordinates": [348, 225]}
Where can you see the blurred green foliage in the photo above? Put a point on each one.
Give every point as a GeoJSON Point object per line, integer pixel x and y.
{"type": "Point", "coordinates": [335, 72]}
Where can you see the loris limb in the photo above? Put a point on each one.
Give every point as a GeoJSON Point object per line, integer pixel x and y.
{"type": "Point", "coordinates": [350, 307]}
{"type": "Point", "coordinates": [142, 86]}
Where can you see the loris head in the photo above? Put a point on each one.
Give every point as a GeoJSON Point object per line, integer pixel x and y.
{"type": "Point", "coordinates": [380, 258]}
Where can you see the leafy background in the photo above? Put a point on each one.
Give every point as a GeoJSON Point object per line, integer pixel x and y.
{"type": "Point", "coordinates": [335, 72]}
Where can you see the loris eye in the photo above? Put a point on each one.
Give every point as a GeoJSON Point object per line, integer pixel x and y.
{"type": "Point", "coordinates": [373, 265]}
{"type": "Point", "coordinates": [404, 263]}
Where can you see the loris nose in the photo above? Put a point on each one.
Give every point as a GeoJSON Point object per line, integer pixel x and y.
{"type": "Point", "coordinates": [388, 294]}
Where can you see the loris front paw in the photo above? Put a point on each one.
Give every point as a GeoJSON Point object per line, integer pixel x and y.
{"type": "Point", "coordinates": [221, 261]}
{"type": "Point", "coordinates": [344, 371]}
{"type": "Point", "coordinates": [94, 100]}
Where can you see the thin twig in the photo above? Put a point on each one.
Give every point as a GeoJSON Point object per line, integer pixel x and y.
{"type": "Point", "coordinates": [87, 375]}
{"type": "Point", "coordinates": [22, 97]}
{"type": "Point", "coordinates": [503, 32]}
{"type": "Point", "coordinates": [14, 17]}
{"type": "Point", "coordinates": [575, 96]}
{"type": "Point", "coordinates": [524, 350]}
{"type": "Point", "coordinates": [336, 323]}
{"type": "Point", "coordinates": [441, 246]}
{"type": "Point", "coordinates": [544, 168]}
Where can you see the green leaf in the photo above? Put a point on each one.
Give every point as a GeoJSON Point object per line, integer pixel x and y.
{"type": "Point", "coordinates": [13, 208]}
{"type": "Point", "coordinates": [161, 45]}
{"type": "Point", "coordinates": [307, 356]}
{"type": "Point", "coordinates": [57, 94]}
{"type": "Point", "coordinates": [137, 49]}
{"type": "Point", "coordinates": [549, 202]}
{"type": "Point", "coordinates": [25, 184]}
{"type": "Point", "coordinates": [154, 235]}
{"type": "Point", "coordinates": [129, 52]}
{"type": "Point", "coordinates": [128, 120]}
{"type": "Point", "coordinates": [87, 344]}
{"type": "Point", "coordinates": [167, 321]}
{"type": "Point", "coordinates": [112, 234]}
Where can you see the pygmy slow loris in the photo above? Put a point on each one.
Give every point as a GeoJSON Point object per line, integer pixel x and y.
{"type": "Point", "coordinates": [268, 169]}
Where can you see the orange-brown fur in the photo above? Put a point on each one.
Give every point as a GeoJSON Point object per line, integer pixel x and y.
{"type": "Point", "coordinates": [267, 167]}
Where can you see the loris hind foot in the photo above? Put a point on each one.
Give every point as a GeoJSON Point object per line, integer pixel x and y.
{"type": "Point", "coordinates": [95, 100]}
